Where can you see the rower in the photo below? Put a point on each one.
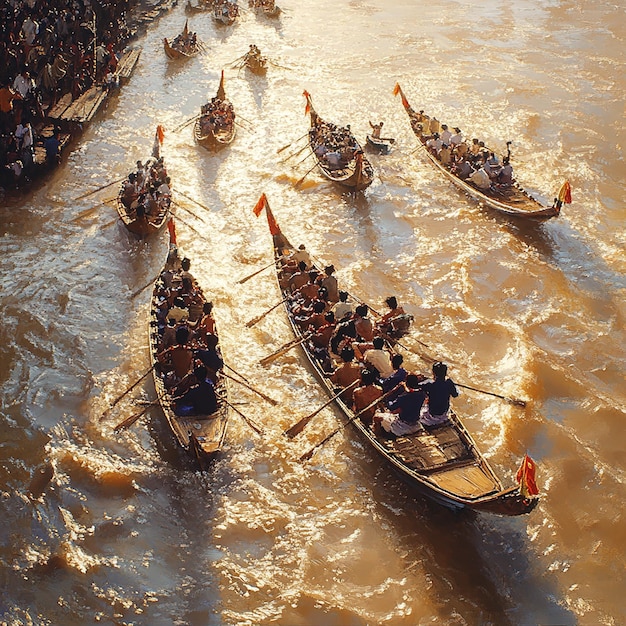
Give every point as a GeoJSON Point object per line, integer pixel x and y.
{"type": "Point", "coordinates": [376, 130]}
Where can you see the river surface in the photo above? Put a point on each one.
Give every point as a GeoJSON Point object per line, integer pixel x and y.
{"type": "Point", "coordinates": [126, 533]}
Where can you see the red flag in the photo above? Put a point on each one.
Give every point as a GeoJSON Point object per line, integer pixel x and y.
{"type": "Point", "coordinates": [172, 228]}
{"type": "Point", "coordinates": [258, 207]}
{"type": "Point", "coordinates": [405, 102]}
{"type": "Point", "coordinates": [565, 193]}
{"type": "Point", "coordinates": [160, 133]}
{"type": "Point", "coordinates": [396, 89]}
{"type": "Point", "coordinates": [526, 477]}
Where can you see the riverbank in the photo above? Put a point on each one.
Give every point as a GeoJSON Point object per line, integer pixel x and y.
{"type": "Point", "coordinates": [58, 110]}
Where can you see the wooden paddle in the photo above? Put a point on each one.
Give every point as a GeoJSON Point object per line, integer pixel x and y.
{"type": "Point", "coordinates": [248, 130]}
{"type": "Point", "coordinates": [514, 401]}
{"type": "Point", "coordinates": [251, 388]}
{"type": "Point", "coordinates": [298, 427]}
{"type": "Point", "coordinates": [299, 182]}
{"type": "Point", "coordinates": [185, 124]}
{"type": "Point", "coordinates": [190, 226]}
{"type": "Point", "coordinates": [202, 206]}
{"type": "Point", "coordinates": [252, 322]}
{"type": "Point", "coordinates": [125, 393]}
{"type": "Point", "coordinates": [184, 208]}
{"type": "Point", "coordinates": [136, 293]}
{"type": "Point", "coordinates": [308, 156]}
{"type": "Point", "coordinates": [90, 193]}
{"type": "Point", "coordinates": [247, 278]}
{"type": "Point", "coordinates": [250, 423]}
{"type": "Point", "coordinates": [295, 154]}
{"type": "Point", "coordinates": [307, 455]}
{"type": "Point", "coordinates": [294, 141]}
{"type": "Point", "coordinates": [292, 344]}
{"type": "Point", "coordinates": [129, 421]}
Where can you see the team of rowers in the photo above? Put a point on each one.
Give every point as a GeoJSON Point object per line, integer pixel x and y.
{"type": "Point", "coordinates": [216, 115]}
{"type": "Point", "coordinates": [267, 5]}
{"type": "Point", "coordinates": [188, 355]}
{"type": "Point", "coordinates": [186, 42]}
{"type": "Point", "coordinates": [146, 193]}
{"type": "Point", "coordinates": [356, 353]}
{"type": "Point", "coordinates": [334, 146]}
{"type": "Point", "coordinates": [225, 10]}
{"type": "Point", "coordinates": [471, 162]}
{"type": "Point", "coordinates": [254, 59]}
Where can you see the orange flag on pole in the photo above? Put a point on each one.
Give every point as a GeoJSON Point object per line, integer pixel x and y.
{"type": "Point", "coordinates": [258, 207]}
{"type": "Point", "coordinates": [271, 222]}
{"type": "Point", "coordinates": [307, 108]}
{"type": "Point", "coordinates": [565, 193]}
{"type": "Point", "coordinates": [396, 89]}
{"type": "Point", "coordinates": [526, 477]}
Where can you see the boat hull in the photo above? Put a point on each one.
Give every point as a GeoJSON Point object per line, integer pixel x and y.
{"type": "Point", "coordinates": [383, 146]}
{"type": "Point", "coordinates": [443, 463]}
{"type": "Point", "coordinates": [200, 436]}
{"type": "Point", "coordinates": [177, 54]}
{"type": "Point", "coordinates": [510, 200]}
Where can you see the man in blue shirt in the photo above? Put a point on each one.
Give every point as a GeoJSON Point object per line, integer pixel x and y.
{"type": "Point", "coordinates": [404, 415]}
{"type": "Point", "coordinates": [200, 399]}
{"type": "Point", "coordinates": [439, 392]}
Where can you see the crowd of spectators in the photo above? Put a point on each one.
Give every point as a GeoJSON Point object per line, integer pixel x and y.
{"type": "Point", "coordinates": [49, 48]}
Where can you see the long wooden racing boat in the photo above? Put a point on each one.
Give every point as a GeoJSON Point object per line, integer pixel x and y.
{"type": "Point", "coordinates": [184, 46]}
{"type": "Point", "coordinates": [509, 199]}
{"type": "Point", "coordinates": [141, 211]}
{"type": "Point", "coordinates": [442, 463]}
{"type": "Point", "coordinates": [216, 128]}
{"type": "Point", "coordinates": [201, 436]}
{"type": "Point", "coordinates": [338, 154]}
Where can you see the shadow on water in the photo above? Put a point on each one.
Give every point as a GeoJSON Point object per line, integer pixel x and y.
{"type": "Point", "coordinates": [258, 85]}
{"type": "Point", "coordinates": [478, 562]}
{"type": "Point", "coordinates": [566, 249]}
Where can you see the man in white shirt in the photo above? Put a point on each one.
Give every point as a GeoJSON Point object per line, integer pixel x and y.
{"type": "Point", "coordinates": [23, 84]}
{"type": "Point", "coordinates": [379, 358]}
{"type": "Point", "coordinates": [480, 178]}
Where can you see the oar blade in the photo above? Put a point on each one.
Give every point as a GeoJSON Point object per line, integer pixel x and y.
{"type": "Point", "coordinates": [297, 428]}
{"type": "Point", "coordinates": [129, 421]}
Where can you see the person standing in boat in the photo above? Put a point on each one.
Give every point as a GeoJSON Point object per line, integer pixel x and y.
{"type": "Point", "coordinates": [505, 176]}
{"type": "Point", "coordinates": [376, 129]}
{"type": "Point", "coordinates": [439, 391]}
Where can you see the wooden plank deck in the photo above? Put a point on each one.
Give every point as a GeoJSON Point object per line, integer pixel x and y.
{"type": "Point", "coordinates": [127, 63]}
{"type": "Point", "coordinates": [57, 110]}
{"type": "Point", "coordinates": [430, 450]}
{"type": "Point", "coordinates": [84, 108]}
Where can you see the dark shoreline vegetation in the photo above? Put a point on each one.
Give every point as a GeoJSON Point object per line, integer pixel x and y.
{"type": "Point", "coordinates": [58, 65]}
